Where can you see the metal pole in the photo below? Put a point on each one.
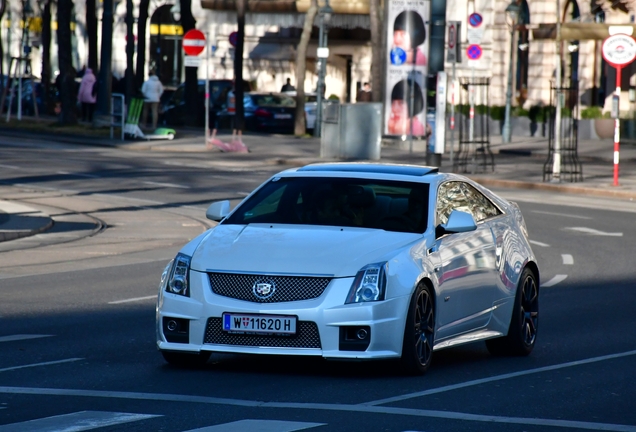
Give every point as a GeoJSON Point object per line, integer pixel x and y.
{"type": "Point", "coordinates": [452, 120]}
{"type": "Point", "coordinates": [207, 87]}
{"type": "Point", "coordinates": [318, 124]}
{"type": "Point", "coordinates": [104, 79]}
{"type": "Point", "coordinates": [507, 130]}
{"type": "Point", "coordinates": [411, 90]}
{"type": "Point", "coordinates": [471, 113]}
{"type": "Point", "coordinates": [617, 124]}
{"type": "Point", "coordinates": [556, 167]}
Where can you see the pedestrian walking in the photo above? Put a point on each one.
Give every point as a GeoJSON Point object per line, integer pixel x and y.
{"type": "Point", "coordinates": [364, 94]}
{"type": "Point", "coordinates": [152, 90]}
{"type": "Point", "coordinates": [87, 94]}
{"type": "Point", "coordinates": [287, 86]}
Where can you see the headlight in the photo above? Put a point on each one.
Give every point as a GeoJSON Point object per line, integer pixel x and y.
{"type": "Point", "coordinates": [369, 284]}
{"type": "Point", "coordinates": [164, 276]}
{"type": "Point", "coordinates": [177, 282]}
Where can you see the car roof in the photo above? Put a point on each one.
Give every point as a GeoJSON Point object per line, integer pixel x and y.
{"type": "Point", "coordinates": [371, 168]}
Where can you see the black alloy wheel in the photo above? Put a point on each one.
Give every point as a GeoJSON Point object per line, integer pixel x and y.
{"type": "Point", "coordinates": [524, 324]}
{"type": "Point", "coordinates": [419, 334]}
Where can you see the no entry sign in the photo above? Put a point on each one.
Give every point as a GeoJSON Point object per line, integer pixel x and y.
{"type": "Point", "coordinates": [193, 42]}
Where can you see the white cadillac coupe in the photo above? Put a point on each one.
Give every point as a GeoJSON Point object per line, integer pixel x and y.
{"type": "Point", "coordinates": [354, 261]}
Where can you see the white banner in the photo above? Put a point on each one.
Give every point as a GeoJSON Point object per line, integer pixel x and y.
{"type": "Point", "coordinates": [407, 67]}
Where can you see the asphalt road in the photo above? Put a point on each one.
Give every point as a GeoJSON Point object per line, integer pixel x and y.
{"type": "Point", "coordinates": [77, 347]}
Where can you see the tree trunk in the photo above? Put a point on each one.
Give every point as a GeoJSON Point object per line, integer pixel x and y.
{"type": "Point", "coordinates": [239, 117]}
{"type": "Point", "coordinates": [91, 31]}
{"type": "Point", "coordinates": [130, 52]}
{"type": "Point", "coordinates": [191, 79]}
{"type": "Point", "coordinates": [140, 69]}
{"type": "Point", "coordinates": [46, 57]}
{"type": "Point", "coordinates": [301, 67]}
{"type": "Point", "coordinates": [67, 72]}
{"type": "Point", "coordinates": [377, 50]}
{"type": "Point", "coordinates": [3, 6]}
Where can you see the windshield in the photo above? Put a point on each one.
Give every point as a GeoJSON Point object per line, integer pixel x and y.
{"type": "Point", "coordinates": [365, 203]}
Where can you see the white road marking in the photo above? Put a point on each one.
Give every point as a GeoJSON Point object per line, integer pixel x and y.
{"type": "Point", "coordinates": [502, 377]}
{"type": "Point", "coordinates": [170, 185]}
{"type": "Point", "coordinates": [78, 174]}
{"type": "Point", "coordinates": [22, 337]}
{"type": "Point", "coordinates": [10, 167]}
{"type": "Point", "coordinates": [368, 407]}
{"type": "Point", "coordinates": [536, 243]}
{"type": "Point", "coordinates": [259, 425]}
{"type": "Point", "coordinates": [555, 280]}
{"type": "Point", "coordinates": [561, 214]}
{"type": "Point", "coordinates": [41, 364]}
{"type": "Point", "coordinates": [567, 259]}
{"type": "Point", "coordinates": [592, 231]}
{"type": "Point", "coordinates": [133, 299]}
{"type": "Point", "coordinates": [75, 422]}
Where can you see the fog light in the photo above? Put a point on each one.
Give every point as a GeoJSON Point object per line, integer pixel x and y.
{"type": "Point", "coordinates": [362, 334]}
{"type": "Point", "coordinates": [172, 325]}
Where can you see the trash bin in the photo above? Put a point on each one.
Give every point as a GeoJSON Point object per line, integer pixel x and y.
{"type": "Point", "coordinates": [351, 131]}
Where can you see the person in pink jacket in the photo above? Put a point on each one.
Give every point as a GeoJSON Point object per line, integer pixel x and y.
{"type": "Point", "coordinates": [87, 94]}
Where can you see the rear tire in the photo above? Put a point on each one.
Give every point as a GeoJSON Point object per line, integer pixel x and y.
{"type": "Point", "coordinates": [186, 360]}
{"type": "Point", "coordinates": [419, 332]}
{"type": "Point", "coordinates": [524, 323]}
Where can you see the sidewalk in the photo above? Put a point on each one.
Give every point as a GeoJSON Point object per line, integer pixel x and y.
{"type": "Point", "coordinates": [519, 164]}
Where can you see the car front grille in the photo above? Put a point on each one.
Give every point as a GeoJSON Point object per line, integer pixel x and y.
{"type": "Point", "coordinates": [281, 288]}
{"type": "Point", "coordinates": [307, 336]}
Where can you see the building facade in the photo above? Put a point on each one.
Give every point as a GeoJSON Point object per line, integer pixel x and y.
{"type": "Point", "coordinates": [273, 33]}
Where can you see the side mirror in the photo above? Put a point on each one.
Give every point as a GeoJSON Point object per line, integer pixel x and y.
{"type": "Point", "coordinates": [458, 222]}
{"type": "Point", "coordinates": [218, 210]}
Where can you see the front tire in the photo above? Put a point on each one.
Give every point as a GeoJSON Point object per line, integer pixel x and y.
{"type": "Point", "coordinates": [186, 360]}
{"type": "Point", "coordinates": [522, 333]}
{"type": "Point", "coordinates": [419, 333]}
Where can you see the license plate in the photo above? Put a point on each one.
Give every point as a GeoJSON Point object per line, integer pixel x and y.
{"type": "Point", "coordinates": [282, 116]}
{"type": "Point", "coordinates": [259, 324]}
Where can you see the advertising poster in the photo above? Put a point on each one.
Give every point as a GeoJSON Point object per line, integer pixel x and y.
{"type": "Point", "coordinates": [407, 67]}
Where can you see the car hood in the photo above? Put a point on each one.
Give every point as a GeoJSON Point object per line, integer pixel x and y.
{"type": "Point", "coordinates": [296, 249]}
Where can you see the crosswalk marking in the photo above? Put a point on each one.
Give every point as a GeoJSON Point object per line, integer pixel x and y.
{"type": "Point", "coordinates": [22, 337]}
{"type": "Point", "coordinates": [75, 422]}
{"type": "Point", "coordinates": [258, 426]}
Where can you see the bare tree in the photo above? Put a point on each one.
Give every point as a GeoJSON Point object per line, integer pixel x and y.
{"type": "Point", "coordinates": [91, 31]}
{"type": "Point", "coordinates": [141, 43]}
{"type": "Point", "coordinates": [301, 68]}
{"type": "Point", "coordinates": [239, 116]}
{"type": "Point", "coordinates": [46, 54]}
{"type": "Point", "coordinates": [191, 78]}
{"type": "Point", "coordinates": [3, 6]}
{"type": "Point", "coordinates": [377, 50]}
{"type": "Point", "coordinates": [67, 72]}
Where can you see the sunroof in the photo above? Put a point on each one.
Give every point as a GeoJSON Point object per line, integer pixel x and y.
{"type": "Point", "coordinates": [411, 170]}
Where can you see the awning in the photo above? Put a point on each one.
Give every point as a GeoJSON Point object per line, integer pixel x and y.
{"type": "Point", "coordinates": [290, 20]}
{"type": "Point", "coordinates": [273, 51]}
{"type": "Point", "coordinates": [299, 6]}
{"type": "Point", "coordinates": [576, 31]}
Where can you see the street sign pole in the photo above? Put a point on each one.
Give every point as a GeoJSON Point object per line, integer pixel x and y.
{"type": "Point", "coordinates": [475, 33]}
{"type": "Point", "coordinates": [617, 125]}
{"type": "Point", "coordinates": [207, 87]}
{"type": "Point", "coordinates": [618, 50]}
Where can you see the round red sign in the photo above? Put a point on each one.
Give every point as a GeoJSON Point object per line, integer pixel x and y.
{"type": "Point", "coordinates": [193, 42]}
{"type": "Point", "coordinates": [619, 50]}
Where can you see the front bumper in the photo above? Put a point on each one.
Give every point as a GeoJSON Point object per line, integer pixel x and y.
{"type": "Point", "coordinates": [328, 314]}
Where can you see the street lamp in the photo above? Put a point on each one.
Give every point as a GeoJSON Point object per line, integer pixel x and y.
{"type": "Point", "coordinates": [512, 13]}
{"type": "Point", "coordinates": [324, 15]}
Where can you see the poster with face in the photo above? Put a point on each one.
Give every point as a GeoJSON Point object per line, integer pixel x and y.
{"type": "Point", "coordinates": [407, 41]}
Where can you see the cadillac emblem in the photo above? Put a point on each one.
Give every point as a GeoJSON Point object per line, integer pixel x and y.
{"type": "Point", "coordinates": [264, 288]}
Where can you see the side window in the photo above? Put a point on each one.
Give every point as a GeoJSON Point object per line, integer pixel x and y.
{"type": "Point", "coordinates": [462, 196]}
{"type": "Point", "coordinates": [267, 206]}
